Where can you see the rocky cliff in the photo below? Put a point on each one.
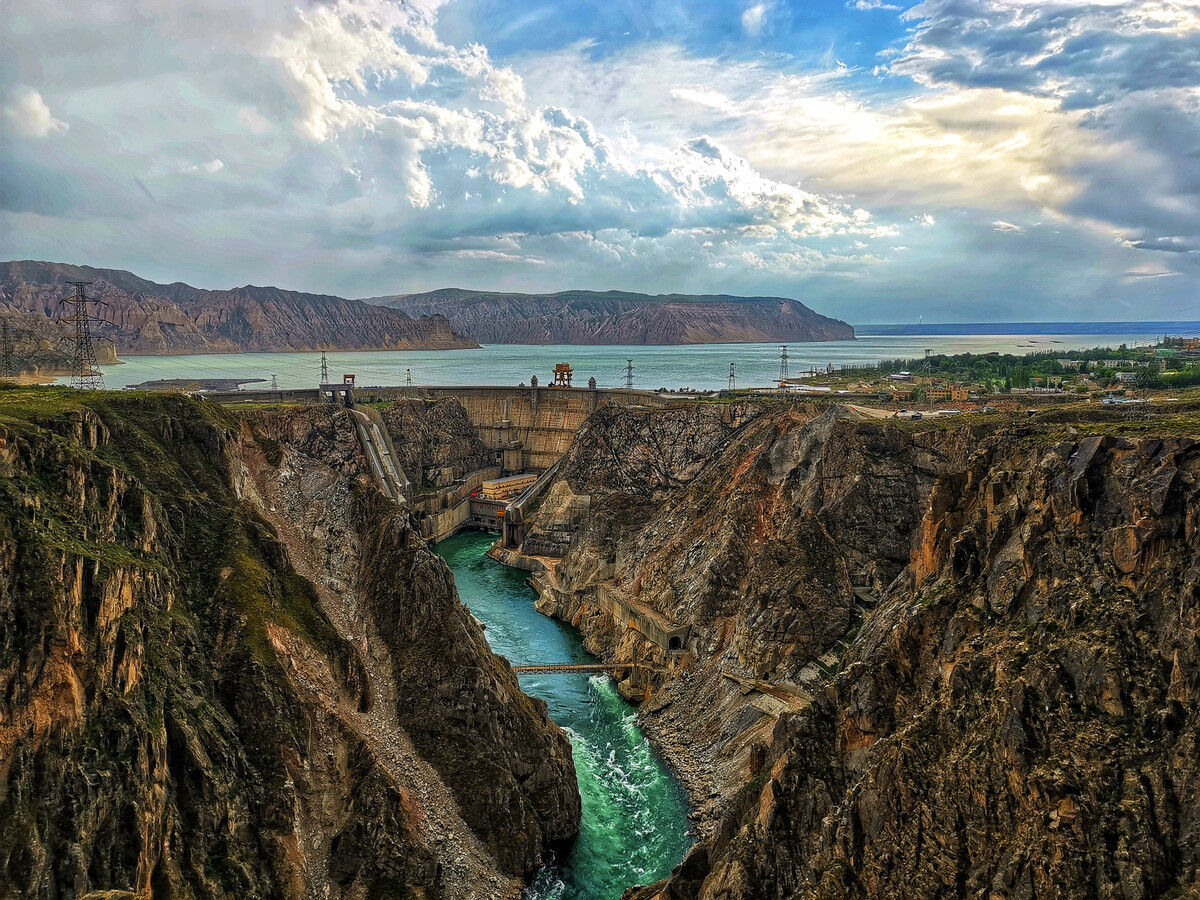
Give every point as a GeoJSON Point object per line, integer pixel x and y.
{"type": "Point", "coordinates": [435, 440]}
{"type": "Point", "coordinates": [919, 661]}
{"type": "Point", "coordinates": [615, 317]}
{"type": "Point", "coordinates": [231, 668]}
{"type": "Point", "coordinates": [139, 316]}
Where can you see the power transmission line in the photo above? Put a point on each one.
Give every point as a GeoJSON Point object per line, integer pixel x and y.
{"type": "Point", "coordinates": [85, 374]}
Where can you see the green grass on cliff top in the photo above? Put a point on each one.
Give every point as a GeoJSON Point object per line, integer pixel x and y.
{"type": "Point", "coordinates": [39, 404]}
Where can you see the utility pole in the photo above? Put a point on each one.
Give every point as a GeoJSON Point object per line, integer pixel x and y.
{"type": "Point", "coordinates": [408, 377]}
{"type": "Point", "coordinates": [783, 365]}
{"type": "Point", "coordinates": [732, 380]}
{"type": "Point", "coordinates": [84, 373]}
{"type": "Point", "coordinates": [6, 348]}
{"type": "Point", "coordinates": [324, 369]}
{"type": "Point", "coordinates": [274, 382]}
{"type": "Point", "coordinates": [629, 374]}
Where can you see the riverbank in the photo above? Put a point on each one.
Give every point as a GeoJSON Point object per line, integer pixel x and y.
{"type": "Point", "coordinates": [635, 811]}
{"type": "Point", "coordinates": [666, 726]}
{"type": "Point", "coordinates": [666, 723]}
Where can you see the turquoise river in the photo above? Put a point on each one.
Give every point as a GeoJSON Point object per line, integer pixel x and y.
{"type": "Point", "coordinates": [635, 825]}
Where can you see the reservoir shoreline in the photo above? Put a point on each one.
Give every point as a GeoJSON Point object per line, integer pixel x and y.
{"type": "Point", "coordinates": [696, 366]}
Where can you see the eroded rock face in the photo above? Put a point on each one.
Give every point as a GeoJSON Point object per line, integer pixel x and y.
{"type": "Point", "coordinates": [942, 663]}
{"type": "Point", "coordinates": [143, 317]}
{"type": "Point", "coordinates": [231, 668]}
{"type": "Point", "coordinates": [435, 440]}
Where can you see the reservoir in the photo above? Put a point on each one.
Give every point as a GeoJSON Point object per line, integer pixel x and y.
{"type": "Point", "coordinates": [700, 366]}
{"type": "Point", "coordinates": [635, 826]}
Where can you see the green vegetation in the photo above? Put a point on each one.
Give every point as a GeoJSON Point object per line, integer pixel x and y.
{"type": "Point", "coordinates": [163, 452]}
{"type": "Point", "coordinates": [1001, 372]}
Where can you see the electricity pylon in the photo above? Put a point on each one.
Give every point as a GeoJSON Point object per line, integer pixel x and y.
{"type": "Point", "coordinates": [85, 375]}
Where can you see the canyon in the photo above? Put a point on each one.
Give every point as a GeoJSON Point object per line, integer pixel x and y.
{"type": "Point", "coordinates": [925, 661]}
{"type": "Point", "coordinates": [950, 657]}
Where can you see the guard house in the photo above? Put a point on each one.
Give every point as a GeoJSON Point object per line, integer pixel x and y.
{"type": "Point", "coordinates": [562, 375]}
{"type": "Point", "coordinates": [342, 392]}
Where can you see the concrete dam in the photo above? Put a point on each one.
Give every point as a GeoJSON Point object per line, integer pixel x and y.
{"type": "Point", "coordinates": [527, 429]}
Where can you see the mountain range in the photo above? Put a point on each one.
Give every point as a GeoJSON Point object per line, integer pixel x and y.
{"type": "Point", "coordinates": [136, 316]}
{"type": "Point", "coordinates": [620, 317]}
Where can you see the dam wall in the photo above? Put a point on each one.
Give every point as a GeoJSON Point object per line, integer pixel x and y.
{"type": "Point", "coordinates": [452, 496]}
{"type": "Point", "coordinates": [438, 526]}
{"type": "Point", "coordinates": [531, 427]}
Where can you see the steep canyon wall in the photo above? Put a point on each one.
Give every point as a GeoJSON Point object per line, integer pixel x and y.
{"type": "Point", "coordinates": [925, 661]}
{"type": "Point", "coordinates": [232, 668]}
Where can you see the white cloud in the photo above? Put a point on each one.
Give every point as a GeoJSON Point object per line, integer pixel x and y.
{"type": "Point", "coordinates": [754, 17]}
{"type": "Point", "coordinates": [866, 5]}
{"type": "Point", "coordinates": [1150, 270]}
{"type": "Point", "coordinates": [704, 97]}
{"type": "Point", "coordinates": [254, 121]}
{"type": "Point", "coordinates": [30, 114]}
{"type": "Point", "coordinates": [460, 104]}
{"type": "Point", "coordinates": [978, 145]}
{"type": "Point", "coordinates": [495, 256]}
{"type": "Point", "coordinates": [1007, 227]}
{"type": "Point", "coordinates": [349, 129]}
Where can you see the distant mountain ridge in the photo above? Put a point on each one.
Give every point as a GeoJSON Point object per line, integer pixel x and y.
{"type": "Point", "coordinates": [620, 317]}
{"type": "Point", "coordinates": [143, 317]}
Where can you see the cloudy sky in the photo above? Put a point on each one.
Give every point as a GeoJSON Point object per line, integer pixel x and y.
{"type": "Point", "coordinates": [964, 160]}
